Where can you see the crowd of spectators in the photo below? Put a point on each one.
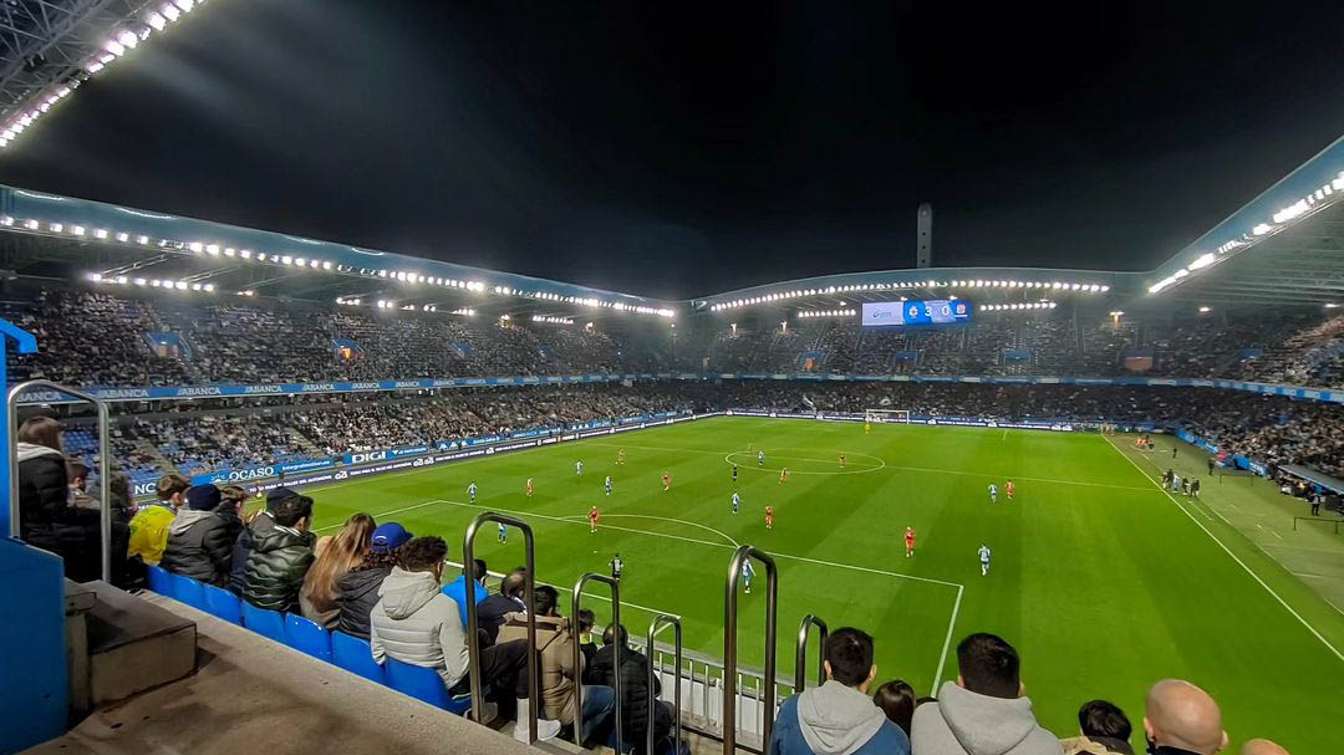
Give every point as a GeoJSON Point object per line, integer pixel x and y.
{"type": "Point", "coordinates": [199, 437]}
{"type": "Point", "coordinates": [101, 338]}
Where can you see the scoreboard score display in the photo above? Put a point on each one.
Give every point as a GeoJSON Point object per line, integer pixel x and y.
{"type": "Point", "coordinates": [928, 312]}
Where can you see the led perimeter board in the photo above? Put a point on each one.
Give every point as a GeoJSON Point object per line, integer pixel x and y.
{"type": "Point", "coordinates": [930, 312]}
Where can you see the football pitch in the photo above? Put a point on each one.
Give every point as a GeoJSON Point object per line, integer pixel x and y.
{"type": "Point", "coordinates": [1102, 581]}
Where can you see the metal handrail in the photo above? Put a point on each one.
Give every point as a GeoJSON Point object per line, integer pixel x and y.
{"type": "Point", "coordinates": [104, 457]}
{"type": "Point", "coordinates": [740, 557]}
{"type": "Point", "coordinates": [473, 622]}
{"type": "Point", "coordinates": [617, 647]}
{"type": "Point", "coordinates": [800, 659]}
{"type": "Point", "coordinates": [659, 621]}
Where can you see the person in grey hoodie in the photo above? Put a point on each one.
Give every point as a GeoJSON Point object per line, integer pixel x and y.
{"type": "Point", "coordinates": [839, 717]}
{"type": "Point", "coordinates": [983, 712]}
{"type": "Point", "coordinates": [413, 622]}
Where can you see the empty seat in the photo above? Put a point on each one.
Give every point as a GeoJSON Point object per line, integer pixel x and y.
{"type": "Point", "coordinates": [223, 604]}
{"type": "Point", "coordinates": [353, 655]}
{"type": "Point", "coordinates": [188, 590]}
{"type": "Point", "coordinates": [269, 624]}
{"type": "Point", "coordinates": [160, 581]}
{"type": "Point", "coordinates": [306, 636]}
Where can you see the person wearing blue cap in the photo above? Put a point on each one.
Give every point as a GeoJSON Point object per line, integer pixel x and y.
{"type": "Point", "coordinates": [357, 589]}
{"type": "Point", "coordinates": [200, 541]}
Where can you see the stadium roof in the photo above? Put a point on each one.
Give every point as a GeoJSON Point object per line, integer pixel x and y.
{"type": "Point", "coordinates": [1285, 247]}
{"type": "Point", "coordinates": [48, 48]}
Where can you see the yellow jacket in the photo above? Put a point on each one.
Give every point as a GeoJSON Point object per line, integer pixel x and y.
{"type": "Point", "coordinates": [149, 533]}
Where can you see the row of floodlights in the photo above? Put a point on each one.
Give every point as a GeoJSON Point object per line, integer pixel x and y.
{"type": "Point", "coordinates": [165, 283]}
{"type": "Point", "coordinates": [388, 304]}
{"type": "Point", "coordinates": [201, 248]}
{"type": "Point", "coordinates": [808, 314]}
{"type": "Point", "coordinates": [552, 320]}
{"type": "Point", "coordinates": [122, 41]}
{"type": "Point", "coordinates": [1018, 306]}
{"type": "Point", "coordinates": [1084, 288]}
{"type": "Point", "coordinates": [1318, 198]}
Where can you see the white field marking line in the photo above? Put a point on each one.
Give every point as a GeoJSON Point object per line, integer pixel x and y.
{"type": "Point", "coordinates": [787, 556]}
{"type": "Point", "coordinates": [947, 642]}
{"type": "Point", "coordinates": [956, 607]}
{"type": "Point", "coordinates": [882, 464]}
{"type": "Point", "coordinates": [932, 470]}
{"type": "Point", "coordinates": [1229, 552]}
{"type": "Point", "coordinates": [567, 589]}
{"type": "Point", "coordinates": [436, 502]}
{"type": "Point", "coordinates": [705, 527]}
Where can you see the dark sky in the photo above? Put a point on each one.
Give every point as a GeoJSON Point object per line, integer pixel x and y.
{"type": "Point", "coordinates": [677, 149]}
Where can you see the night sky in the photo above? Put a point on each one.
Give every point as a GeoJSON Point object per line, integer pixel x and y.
{"type": "Point", "coordinates": [675, 149]}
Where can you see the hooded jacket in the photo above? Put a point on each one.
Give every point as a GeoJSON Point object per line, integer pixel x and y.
{"type": "Point", "coordinates": [242, 548]}
{"type": "Point", "coordinates": [966, 723]}
{"type": "Point", "coordinates": [200, 546]}
{"type": "Point", "coordinates": [276, 566]}
{"type": "Point", "coordinates": [557, 661]}
{"type": "Point", "coordinates": [356, 595]}
{"type": "Point", "coordinates": [414, 623]}
{"type": "Point", "coordinates": [44, 491]}
{"type": "Point", "coordinates": [835, 719]}
{"type": "Point", "coordinates": [48, 520]}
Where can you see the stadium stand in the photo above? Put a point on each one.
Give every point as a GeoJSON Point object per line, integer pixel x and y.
{"type": "Point", "coordinates": [263, 342]}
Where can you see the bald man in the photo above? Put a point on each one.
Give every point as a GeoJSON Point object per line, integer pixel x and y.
{"type": "Point", "coordinates": [1262, 747]}
{"type": "Point", "coordinates": [1183, 719]}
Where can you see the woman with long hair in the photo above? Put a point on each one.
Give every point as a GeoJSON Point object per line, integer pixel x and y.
{"type": "Point", "coordinates": [344, 552]}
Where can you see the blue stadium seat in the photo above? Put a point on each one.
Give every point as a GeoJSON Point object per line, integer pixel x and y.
{"type": "Point", "coordinates": [353, 655]}
{"type": "Point", "coordinates": [223, 604]}
{"type": "Point", "coordinates": [306, 636]}
{"type": "Point", "coordinates": [424, 684]}
{"type": "Point", "coordinates": [269, 624]}
{"type": "Point", "coordinates": [160, 581]}
{"type": "Point", "coordinates": [188, 590]}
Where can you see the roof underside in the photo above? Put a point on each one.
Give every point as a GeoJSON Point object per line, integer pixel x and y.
{"type": "Point", "coordinates": [1301, 265]}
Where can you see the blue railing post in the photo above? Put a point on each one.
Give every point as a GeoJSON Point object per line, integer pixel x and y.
{"type": "Point", "coordinates": [23, 343]}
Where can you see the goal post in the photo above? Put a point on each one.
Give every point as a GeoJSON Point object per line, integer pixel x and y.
{"type": "Point", "coordinates": [887, 415]}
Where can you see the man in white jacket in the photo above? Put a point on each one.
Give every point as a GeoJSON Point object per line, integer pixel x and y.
{"type": "Point", "coordinates": [414, 622]}
{"type": "Point", "coordinates": [984, 712]}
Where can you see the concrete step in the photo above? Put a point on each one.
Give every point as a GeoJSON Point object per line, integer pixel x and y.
{"type": "Point", "coordinates": [134, 645]}
{"type": "Point", "coordinates": [254, 695]}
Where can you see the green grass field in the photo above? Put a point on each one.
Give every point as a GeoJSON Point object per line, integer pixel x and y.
{"type": "Point", "coordinates": [1102, 581]}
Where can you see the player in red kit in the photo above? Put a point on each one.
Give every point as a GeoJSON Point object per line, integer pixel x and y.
{"type": "Point", "coordinates": [1008, 489]}
{"type": "Point", "coordinates": [909, 542]}
{"type": "Point", "coordinates": [593, 516]}
{"type": "Point", "coordinates": [769, 517]}
{"type": "Point", "coordinates": [667, 482]}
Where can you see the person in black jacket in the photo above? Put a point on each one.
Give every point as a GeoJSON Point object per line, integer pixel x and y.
{"type": "Point", "coordinates": [490, 612]}
{"type": "Point", "coordinates": [47, 520]}
{"type": "Point", "coordinates": [200, 541]}
{"type": "Point", "coordinates": [260, 525]}
{"type": "Point", "coordinates": [280, 557]}
{"type": "Point", "coordinates": [357, 589]}
{"type": "Point", "coordinates": [635, 692]}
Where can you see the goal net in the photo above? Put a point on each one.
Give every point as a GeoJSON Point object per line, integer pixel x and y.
{"type": "Point", "coordinates": [886, 415]}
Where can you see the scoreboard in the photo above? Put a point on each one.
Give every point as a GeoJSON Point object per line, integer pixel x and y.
{"type": "Point", "coordinates": [926, 312]}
